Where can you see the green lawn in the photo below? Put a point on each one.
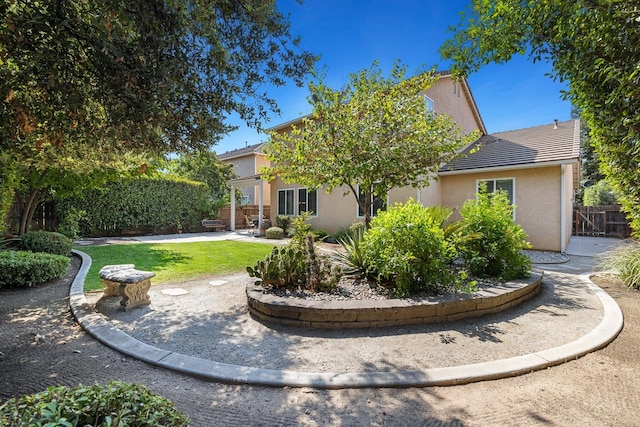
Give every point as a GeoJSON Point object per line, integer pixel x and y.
{"type": "Point", "coordinates": [175, 262]}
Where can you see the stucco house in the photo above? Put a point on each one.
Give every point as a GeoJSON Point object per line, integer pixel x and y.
{"type": "Point", "coordinates": [538, 167]}
{"type": "Point", "coordinates": [247, 163]}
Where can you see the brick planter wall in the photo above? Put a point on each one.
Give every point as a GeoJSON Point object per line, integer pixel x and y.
{"type": "Point", "coordinates": [390, 312]}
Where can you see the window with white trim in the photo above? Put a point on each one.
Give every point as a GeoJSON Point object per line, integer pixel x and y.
{"type": "Point", "coordinates": [307, 201]}
{"type": "Point", "coordinates": [428, 102]}
{"type": "Point", "coordinates": [378, 202]}
{"type": "Point", "coordinates": [292, 202]}
{"type": "Point", "coordinates": [285, 201]}
{"type": "Point", "coordinates": [507, 185]}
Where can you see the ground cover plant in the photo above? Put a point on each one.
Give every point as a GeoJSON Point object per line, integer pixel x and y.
{"type": "Point", "coordinates": [114, 404]}
{"type": "Point", "coordinates": [175, 262]}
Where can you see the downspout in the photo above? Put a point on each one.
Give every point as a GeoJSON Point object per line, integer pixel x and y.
{"type": "Point", "coordinates": [562, 208]}
{"type": "Point", "coordinates": [232, 216]}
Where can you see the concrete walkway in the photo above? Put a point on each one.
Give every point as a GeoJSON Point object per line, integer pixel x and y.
{"type": "Point", "coordinates": [99, 327]}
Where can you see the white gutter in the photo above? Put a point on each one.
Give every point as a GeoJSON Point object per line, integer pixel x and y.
{"type": "Point", "coordinates": [562, 208]}
{"type": "Point", "coordinates": [509, 167]}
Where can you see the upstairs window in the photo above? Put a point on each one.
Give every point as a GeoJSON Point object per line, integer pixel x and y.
{"type": "Point", "coordinates": [428, 102]}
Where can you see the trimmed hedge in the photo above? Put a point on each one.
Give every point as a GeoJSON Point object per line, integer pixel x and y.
{"type": "Point", "coordinates": [114, 404]}
{"type": "Point", "coordinates": [28, 269]}
{"type": "Point", "coordinates": [47, 241]}
{"type": "Point", "coordinates": [155, 203]}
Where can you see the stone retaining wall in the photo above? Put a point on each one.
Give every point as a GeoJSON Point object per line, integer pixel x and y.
{"type": "Point", "coordinates": [388, 312]}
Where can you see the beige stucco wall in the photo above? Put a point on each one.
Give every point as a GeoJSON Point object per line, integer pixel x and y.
{"type": "Point", "coordinates": [569, 199]}
{"type": "Point", "coordinates": [452, 103]}
{"type": "Point", "coordinates": [537, 199]}
{"type": "Point", "coordinates": [250, 165]}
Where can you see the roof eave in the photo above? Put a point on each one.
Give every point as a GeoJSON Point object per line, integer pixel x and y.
{"type": "Point", "coordinates": [573, 160]}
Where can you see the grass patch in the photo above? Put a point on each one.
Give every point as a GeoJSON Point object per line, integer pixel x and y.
{"type": "Point", "coordinates": [175, 262]}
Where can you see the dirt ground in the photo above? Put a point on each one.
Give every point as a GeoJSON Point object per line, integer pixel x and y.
{"type": "Point", "coordinates": [42, 345]}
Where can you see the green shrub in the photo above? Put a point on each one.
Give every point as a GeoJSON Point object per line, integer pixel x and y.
{"type": "Point", "coordinates": [405, 246]}
{"type": "Point", "coordinates": [624, 262]}
{"type": "Point", "coordinates": [599, 194]}
{"type": "Point", "coordinates": [301, 228]}
{"type": "Point", "coordinates": [27, 269]}
{"type": "Point", "coordinates": [496, 249]}
{"type": "Point", "coordinates": [70, 223]}
{"type": "Point", "coordinates": [346, 232]}
{"type": "Point", "coordinates": [115, 404]}
{"type": "Point", "coordinates": [352, 258]}
{"type": "Point", "coordinates": [274, 233]}
{"type": "Point", "coordinates": [129, 203]}
{"type": "Point", "coordinates": [46, 241]}
{"type": "Point", "coordinates": [284, 222]}
{"type": "Point", "coordinates": [319, 235]}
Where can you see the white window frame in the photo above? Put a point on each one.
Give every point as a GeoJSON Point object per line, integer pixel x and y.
{"type": "Point", "coordinates": [297, 202]}
{"type": "Point", "coordinates": [372, 213]}
{"type": "Point", "coordinates": [430, 104]}
{"type": "Point", "coordinates": [513, 186]}
{"type": "Point", "coordinates": [294, 209]}
{"type": "Point", "coordinates": [293, 203]}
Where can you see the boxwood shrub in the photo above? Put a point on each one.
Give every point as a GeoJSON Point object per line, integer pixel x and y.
{"type": "Point", "coordinates": [114, 404]}
{"type": "Point", "coordinates": [47, 241]}
{"type": "Point", "coordinates": [27, 269]}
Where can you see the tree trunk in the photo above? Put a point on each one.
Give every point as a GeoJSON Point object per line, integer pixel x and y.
{"type": "Point", "coordinates": [27, 207]}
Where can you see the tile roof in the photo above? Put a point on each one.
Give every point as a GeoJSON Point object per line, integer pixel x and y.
{"type": "Point", "coordinates": [536, 145]}
{"type": "Point", "coordinates": [255, 148]}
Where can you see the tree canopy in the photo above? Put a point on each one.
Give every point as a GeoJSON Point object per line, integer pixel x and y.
{"type": "Point", "coordinates": [85, 82]}
{"type": "Point", "coordinates": [140, 74]}
{"type": "Point", "coordinates": [594, 45]}
{"type": "Point", "coordinates": [376, 133]}
{"type": "Point", "coordinates": [206, 167]}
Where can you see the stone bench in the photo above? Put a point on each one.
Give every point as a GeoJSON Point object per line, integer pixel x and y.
{"type": "Point", "coordinates": [124, 280]}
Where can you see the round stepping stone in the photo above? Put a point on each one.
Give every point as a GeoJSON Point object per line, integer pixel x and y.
{"type": "Point", "coordinates": [218, 282]}
{"type": "Point", "coordinates": [174, 292]}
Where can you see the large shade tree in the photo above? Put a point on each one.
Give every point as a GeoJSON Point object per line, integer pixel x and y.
{"type": "Point", "coordinates": [594, 45]}
{"type": "Point", "coordinates": [374, 134]}
{"type": "Point", "coordinates": [206, 167]}
{"type": "Point", "coordinates": [135, 75]}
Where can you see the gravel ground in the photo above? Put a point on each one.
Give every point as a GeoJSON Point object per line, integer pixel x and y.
{"type": "Point", "coordinates": [41, 345]}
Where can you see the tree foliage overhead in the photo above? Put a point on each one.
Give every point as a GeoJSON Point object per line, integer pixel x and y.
{"type": "Point", "coordinates": [376, 133]}
{"type": "Point", "coordinates": [156, 75]}
{"type": "Point", "coordinates": [594, 45]}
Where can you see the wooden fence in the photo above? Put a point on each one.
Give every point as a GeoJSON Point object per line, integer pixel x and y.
{"type": "Point", "coordinates": [44, 218]}
{"type": "Point", "coordinates": [225, 214]}
{"type": "Point", "coordinates": [603, 221]}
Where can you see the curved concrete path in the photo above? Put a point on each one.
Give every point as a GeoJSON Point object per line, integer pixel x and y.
{"type": "Point", "coordinates": [97, 325]}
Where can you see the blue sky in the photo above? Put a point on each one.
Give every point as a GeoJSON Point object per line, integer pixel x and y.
{"type": "Point", "coordinates": [350, 34]}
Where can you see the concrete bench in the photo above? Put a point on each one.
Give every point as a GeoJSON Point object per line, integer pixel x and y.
{"type": "Point", "coordinates": [124, 280]}
{"type": "Point", "coordinates": [213, 224]}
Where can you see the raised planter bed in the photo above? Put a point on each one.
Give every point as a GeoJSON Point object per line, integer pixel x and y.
{"type": "Point", "coordinates": [305, 313]}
